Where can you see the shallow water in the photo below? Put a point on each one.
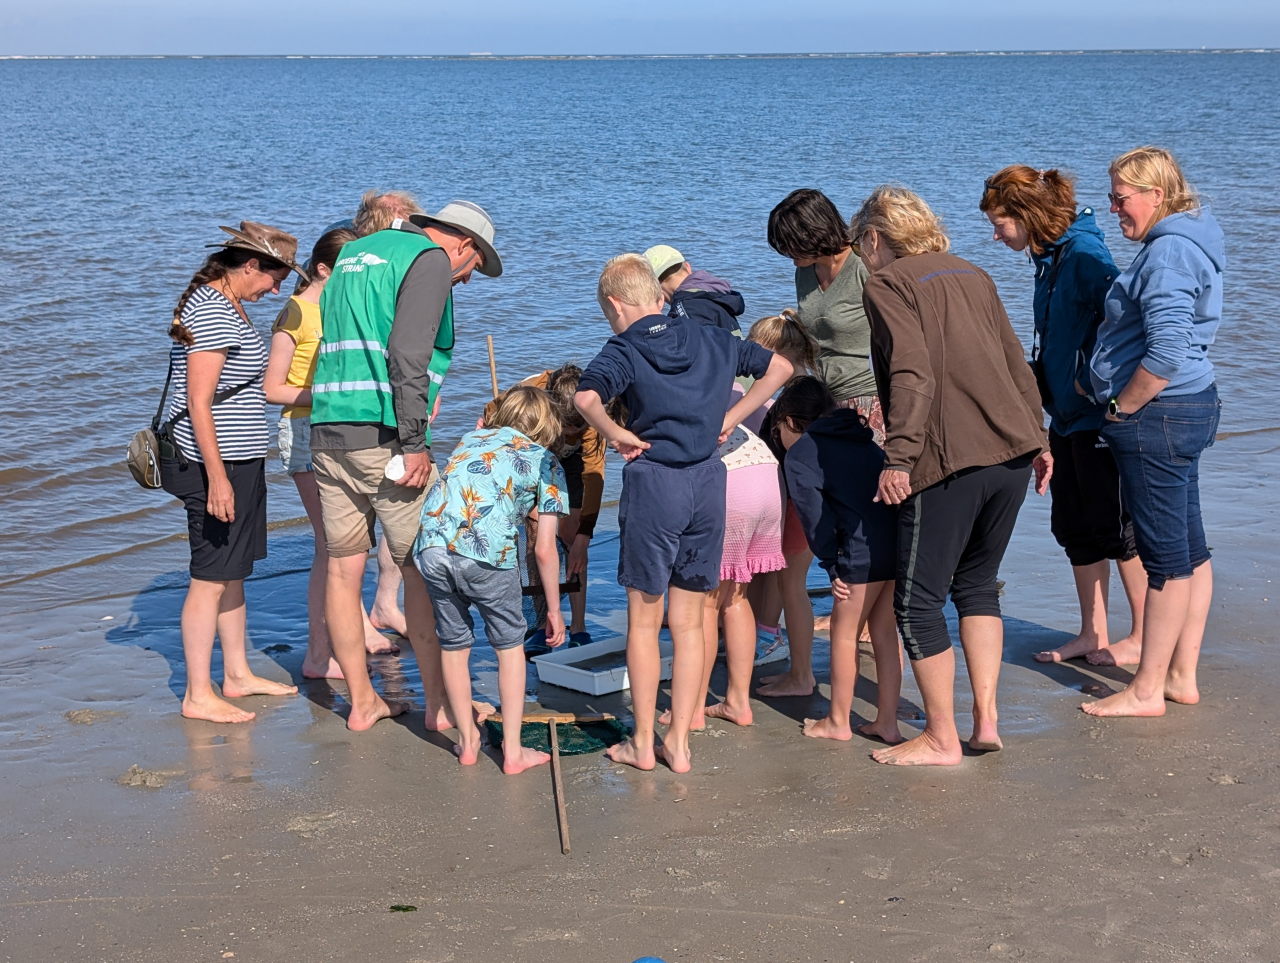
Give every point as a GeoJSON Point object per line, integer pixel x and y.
{"type": "Point", "coordinates": [117, 172]}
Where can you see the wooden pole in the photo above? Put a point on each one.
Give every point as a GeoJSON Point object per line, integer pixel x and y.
{"type": "Point", "coordinates": [493, 366]}
{"type": "Point", "coordinates": [562, 814]}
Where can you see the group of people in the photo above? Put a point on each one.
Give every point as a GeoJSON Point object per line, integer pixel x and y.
{"type": "Point", "coordinates": [889, 426]}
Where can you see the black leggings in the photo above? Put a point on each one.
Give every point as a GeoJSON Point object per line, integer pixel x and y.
{"type": "Point", "coordinates": [1087, 518]}
{"type": "Point", "coordinates": [951, 540]}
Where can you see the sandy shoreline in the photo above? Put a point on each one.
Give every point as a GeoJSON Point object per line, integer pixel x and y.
{"type": "Point", "coordinates": [292, 838]}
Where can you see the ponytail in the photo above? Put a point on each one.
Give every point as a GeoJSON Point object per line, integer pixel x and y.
{"type": "Point", "coordinates": [1043, 202]}
{"type": "Point", "coordinates": [785, 335]}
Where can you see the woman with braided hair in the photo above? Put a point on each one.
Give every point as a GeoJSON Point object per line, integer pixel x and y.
{"type": "Point", "coordinates": [219, 429]}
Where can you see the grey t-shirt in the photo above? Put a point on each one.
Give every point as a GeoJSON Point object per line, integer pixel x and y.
{"type": "Point", "coordinates": [837, 321]}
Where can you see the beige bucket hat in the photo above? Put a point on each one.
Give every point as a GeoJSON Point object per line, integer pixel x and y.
{"type": "Point", "coordinates": [471, 220]}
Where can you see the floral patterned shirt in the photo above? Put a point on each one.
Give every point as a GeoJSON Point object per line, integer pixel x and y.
{"type": "Point", "coordinates": [494, 478]}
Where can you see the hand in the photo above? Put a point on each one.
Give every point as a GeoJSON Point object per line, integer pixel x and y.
{"type": "Point", "coordinates": [1043, 466]}
{"type": "Point", "coordinates": [555, 626]}
{"type": "Point", "coordinates": [895, 487]}
{"type": "Point", "coordinates": [839, 590]}
{"type": "Point", "coordinates": [435, 410]}
{"type": "Point", "coordinates": [417, 469]}
{"type": "Point", "coordinates": [628, 445]}
{"type": "Point", "coordinates": [577, 560]}
{"type": "Point", "coordinates": [221, 500]}
{"type": "Point", "coordinates": [726, 428]}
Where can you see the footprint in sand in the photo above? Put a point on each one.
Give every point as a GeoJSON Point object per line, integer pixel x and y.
{"type": "Point", "coordinates": [87, 717]}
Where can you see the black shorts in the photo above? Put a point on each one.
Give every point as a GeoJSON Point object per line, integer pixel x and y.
{"type": "Point", "coordinates": [573, 471]}
{"type": "Point", "coordinates": [222, 552]}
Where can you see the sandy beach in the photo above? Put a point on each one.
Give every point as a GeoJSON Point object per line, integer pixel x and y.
{"type": "Point", "coordinates": [132, 834]}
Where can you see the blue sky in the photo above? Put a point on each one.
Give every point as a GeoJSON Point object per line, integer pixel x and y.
{"type": "Point", "coordinates": [581, 27]}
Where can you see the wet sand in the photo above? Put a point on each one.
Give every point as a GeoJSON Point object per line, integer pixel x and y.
{"type": "Point", "coordinates": [132, 834]}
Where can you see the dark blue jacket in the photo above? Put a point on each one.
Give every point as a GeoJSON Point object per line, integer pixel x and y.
{"type": "Point", "coordinates": [675, 376]}
{"type": "Point", "coordinates": [832, 474]}
{"type": "Point", "coordinates": [709, 300]}
{"type": "Point", "coordinates": [1073, 276]}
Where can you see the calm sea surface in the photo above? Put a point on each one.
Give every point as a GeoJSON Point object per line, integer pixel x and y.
{"type": "Point", "coordinates": [115, 173]}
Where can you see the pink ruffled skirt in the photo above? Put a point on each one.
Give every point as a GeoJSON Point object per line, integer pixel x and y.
{"type": "Point", "coordinates": [753, 523]}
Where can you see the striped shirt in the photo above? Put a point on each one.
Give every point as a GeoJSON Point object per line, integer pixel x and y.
{"type": "Point", "coordinates": [241, 420]}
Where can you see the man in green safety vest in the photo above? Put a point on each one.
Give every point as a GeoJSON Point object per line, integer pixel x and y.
{"type": "Point", "coordinates": [387, 314]}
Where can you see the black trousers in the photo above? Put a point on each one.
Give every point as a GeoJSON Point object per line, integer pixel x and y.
{"type": "Point", "coordinates": [1087, 517]}
{"type": "Point", "coordinates": [951, 540]}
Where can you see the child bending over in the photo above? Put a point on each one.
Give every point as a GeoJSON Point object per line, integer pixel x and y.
{"type": "Point", "coordinates": [675, 377]}
{"type": "Point", "coordinates": [833, 470]}
{"type": "Point", "coordinates": [467, 550]}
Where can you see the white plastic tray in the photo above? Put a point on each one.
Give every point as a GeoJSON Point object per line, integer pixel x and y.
{"type": "Point", "coordinates": [562, 667]}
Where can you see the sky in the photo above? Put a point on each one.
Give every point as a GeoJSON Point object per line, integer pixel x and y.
{"type": "Point", "coordinates": [82, 27]}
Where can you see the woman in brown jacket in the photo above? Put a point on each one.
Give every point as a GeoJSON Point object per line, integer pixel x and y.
{"type": "Point", "coordinates": [963, 430]}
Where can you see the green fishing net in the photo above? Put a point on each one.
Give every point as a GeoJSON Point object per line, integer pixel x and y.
{"type": "Point", "coordinates": [575, 738]}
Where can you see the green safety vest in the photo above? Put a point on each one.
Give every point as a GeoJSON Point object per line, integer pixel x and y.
{"type": "Point", "coordinates": [358, 306]}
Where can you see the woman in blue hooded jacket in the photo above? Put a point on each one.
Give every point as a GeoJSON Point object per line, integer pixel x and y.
{"type": "Point", "coordinates": [1151, 367]}
{"type": "Point", "coordinates": [1035, 211]}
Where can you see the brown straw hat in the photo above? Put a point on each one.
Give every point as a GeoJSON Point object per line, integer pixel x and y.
{"type": "Point", "coordinates": [263, 239]}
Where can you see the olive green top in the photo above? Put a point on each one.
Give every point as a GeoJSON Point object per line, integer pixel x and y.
{"type": "Point", "coordinates": [838, 323]}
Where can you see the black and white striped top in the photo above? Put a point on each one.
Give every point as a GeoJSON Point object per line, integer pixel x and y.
{"type": "Point", "coordinates": [241, 420]}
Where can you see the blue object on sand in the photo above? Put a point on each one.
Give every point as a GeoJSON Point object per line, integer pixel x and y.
{"type": "Point", "coordinates": [649, 959]}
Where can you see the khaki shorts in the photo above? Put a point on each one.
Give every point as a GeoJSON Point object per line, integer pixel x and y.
{"type": "Point", "coordinates": [354, 493]}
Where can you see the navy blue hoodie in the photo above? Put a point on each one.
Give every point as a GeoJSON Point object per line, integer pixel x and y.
{"type": "Point", "coordinates": [1073, 276]}
{"type": "Point", "coordinates": [709, 300]}
{"type": "Point", "coordinates": [675, 376]}
{"type": "Point", "coordinates": [833, 471]}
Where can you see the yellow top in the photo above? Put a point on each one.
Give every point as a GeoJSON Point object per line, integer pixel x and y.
{"type": "Point", "coordinates": [300, 320]}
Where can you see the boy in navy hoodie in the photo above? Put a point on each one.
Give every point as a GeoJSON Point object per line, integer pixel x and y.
{"type": "Point", "coordinates": [695, 294]}
{"type": "Point", "coordinates": [676, 378]}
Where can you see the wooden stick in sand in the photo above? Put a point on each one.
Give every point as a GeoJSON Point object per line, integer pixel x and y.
{"type": "Point", "coordinates": [562, 814]}
{"type": "Point", "coordinates": [493, 366]}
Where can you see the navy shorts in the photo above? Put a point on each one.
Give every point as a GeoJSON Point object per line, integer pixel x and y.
{"type": "Point", "coordinates": [455, 583]}
{"type": "Point", "coordinates": [671, 526]}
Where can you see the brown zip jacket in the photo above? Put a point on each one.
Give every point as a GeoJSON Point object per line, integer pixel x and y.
{"type": "Point", "coordinates": [956, 390]}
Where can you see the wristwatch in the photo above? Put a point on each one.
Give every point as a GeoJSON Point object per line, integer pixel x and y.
{"type": "Point", "coordinates": [1113, 409]}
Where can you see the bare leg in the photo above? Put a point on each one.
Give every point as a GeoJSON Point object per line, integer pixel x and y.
{"type": "Point", "coordinates": [1128, 651]}
{"type": "Point", "coordinates": [739, 648]}
{"type": "Point", "coordinates": [199, 628]}
{"type": "Point", "coordinates": [569, 525]}
{"type": "Point", "coordinates": [426, 648]}
{"type": "Point", "coordinates": [887, 651]}
{"type": "Point", "coordinates": [319, 662]}
{"type": "Point", "coordinates": [644, 666]}
{"type": "Point", "coordinates": [346, 633]}
{"type": "Point", "coordinates": [456, 671]}
{"type": "Point", "coordinates": [711, 643]}
{"type": "Point", "coordinates": [238, 679]}
{"type": "Point", "coordinates": [1173, 630]}
{"type": "Point", "coordinates": [939, 744]}
{"type": "Point", "coordinates": [846, 619]}
{"type": "Point", "coordinates": [983, 639]}
{"type": "Point", "coordinates": [684, 616]}
{"type": "Point", "coordinates": [386, 612]}
{"type": "Point", "coordinates": [511, 678]}
{"type": "Point", "coordinates": [1092, 584]}
{"type": "Point", "coordinates": [798, 680]}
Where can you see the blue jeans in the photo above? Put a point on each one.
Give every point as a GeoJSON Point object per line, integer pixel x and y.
{"type": "Point", "coordinates": [1157, 450]}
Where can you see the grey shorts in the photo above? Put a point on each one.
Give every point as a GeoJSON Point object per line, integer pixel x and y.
{"type": "Point", "coordinates": [455, 583]}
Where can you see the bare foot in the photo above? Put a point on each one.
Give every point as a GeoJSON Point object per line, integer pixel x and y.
{"type": "Point", "coordinates": [886, 732]}
{"type": "Point", "coordinates": [1182, 691]}
{"type": "Point", "coordinates": [482, 710]}
{"type": "Point", "coordinates": [438, 720]}
{"type": "Point", "coordinates": [251, 685]}
{"type": "Point", "coordinates": [699, 723]}
{"type": "Point", "coordinates": [467, 748]}
{"type": "Point", "coordinates": [780, 686]}
{"type": "Point", "coordinates": [375, 643]}
{"type": "Point", "coordinates": [211, 708]}
{"type": "Point", "coordinates": [828, 728]}
{"type": "Point", "coordinates": [526, 758]}
{"type": "Point", "coordinates": [629, 754]}
{"type": "Point", "coordinates": [389, 619]}
{"type": "Point", "coordinates": [678, 762]}
{"type": "Point", "coordinates": [319, 670]}
{"type": "Point", "coordinates": [360, 721]}
{"type": "Point", "coordinates": [1125, 652]}
{"type": "Point", "coordinates": [986, 735]}
{"type": "Point", "coordinates": [1125, 703]}
{"type": "Point", "coordinates": [923, 750]}
{"type": "Point", "coordinates": [738, 716]}
{"type": "Point", "coordinates": [1077, 647]}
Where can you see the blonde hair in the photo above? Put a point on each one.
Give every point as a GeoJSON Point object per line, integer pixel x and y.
{"type": "Point", "coordinates": [379, 208]}
{"type": "Point", "coordinates": [902, 219]}
{"type": "Point", "coordinates": [784, 334]}
{"type": "Point", "coordinates": [530, 411]}
{"type": "Point", "coordinates": [1151, 167]}
{"type": "Point", "coordinates": [630, 279]}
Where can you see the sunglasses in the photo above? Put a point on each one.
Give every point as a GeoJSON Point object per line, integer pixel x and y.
{"type": "Point", "coordinates": [1117, 200]}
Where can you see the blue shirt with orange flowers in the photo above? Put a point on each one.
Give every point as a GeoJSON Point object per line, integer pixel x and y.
{"type": "Point", "coordinates": [493, 479]}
